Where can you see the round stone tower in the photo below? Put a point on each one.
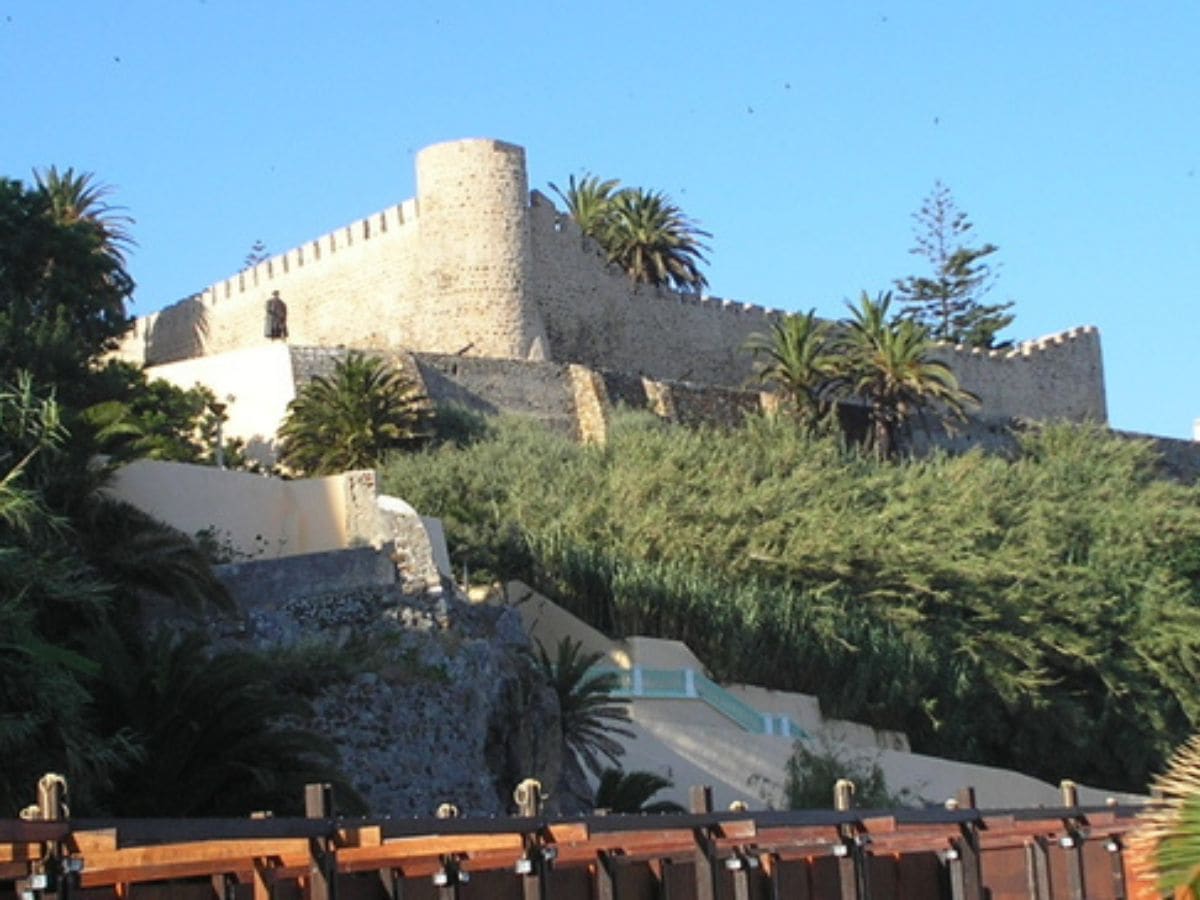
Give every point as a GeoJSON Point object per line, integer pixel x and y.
{"type": "Point", "coordinates": [475, 256]}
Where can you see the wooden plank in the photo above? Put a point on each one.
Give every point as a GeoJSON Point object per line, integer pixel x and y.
{"type": "Point", "coordinates": [156, 863]}
{"type": "Point", "coordinates": [11, 871]}
{"type": "Point", "coordinates": [138, 874]}
{"type": "Point", "coordinates": [363, 836]}
{"type": "Point", "coordinates": [262, 889]}
{"type": "Point", "coordinates": [21, 852]}
{"type": "Point", "coordinates": [433, 845]}
{"type": "Point", "coordinates": [569, 832]}
{"type": "Point", "coordinates": [92, 841]}
{"type": "Point", "coordinates": [741, 830]}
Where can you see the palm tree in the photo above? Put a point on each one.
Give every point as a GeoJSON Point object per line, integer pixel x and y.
{"type": "Point", "coordinates": [352, 418]}
{"type": "Point", "coordinates": [886, 362]}
{"type": "Point", "coordinates": [590, 717]}
{"type": "Point", "coordinates": [632, 792]}
{"type": "Point", "coordinates": [654, 242]}
{"type": "Point", "coordinates": [216, 736]}
{"type": "Point", "coordinates": [640, 230]}
{"type": "Point", "coordinates": [796, 357]}
{"type": "Point", "coordinates": [1168, 840]}
{"type": "Point", "coordinates": [589, 203]}
{"type": "Point", "coordinates": [79, 198]}
{"type": "Point", "coordinates": [49, 601]}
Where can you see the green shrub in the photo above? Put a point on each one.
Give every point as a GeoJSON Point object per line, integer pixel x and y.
{"type": "Point", "coordinates": [1040, 612]}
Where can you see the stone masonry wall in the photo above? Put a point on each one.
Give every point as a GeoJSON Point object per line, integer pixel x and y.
{"type": "Point", "coordinates": [596, 316]}
{"type": "Point", "coordinates": [1060, 376]}
{"type": "Point", "coordinates": [488, 270]}
{"type": "Point", "coordinates": [355, 285]}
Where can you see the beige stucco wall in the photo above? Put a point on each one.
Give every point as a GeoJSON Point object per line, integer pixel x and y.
{"type": "Point", "coordinates": [255, 383]}
{"type": "Point", "coordinates": [254, 516]}
{"type": "Point", "coordinates": [692, 743]}
{"type": "Point", "coordinates": [750, 767]}
{"type": "Point", "coordinates": [549, 623]}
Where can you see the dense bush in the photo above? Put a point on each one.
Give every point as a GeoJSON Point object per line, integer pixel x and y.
{"type": "Point", "coordinates": [1038, 612]}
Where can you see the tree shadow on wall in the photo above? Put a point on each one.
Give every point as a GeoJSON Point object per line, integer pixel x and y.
{"type": "Point", "coordinates": [178, 332]}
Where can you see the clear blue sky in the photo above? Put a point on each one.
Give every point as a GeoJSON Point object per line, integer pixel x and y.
{"type": "Point", "coordinates": [803, 135]}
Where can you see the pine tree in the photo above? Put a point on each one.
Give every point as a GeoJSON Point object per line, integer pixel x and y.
{"type": "Point", "coordinates": [949, 302]}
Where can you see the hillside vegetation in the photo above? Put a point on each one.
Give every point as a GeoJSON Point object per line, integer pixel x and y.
{"type": "Point", "coordinates": [1039, 612]}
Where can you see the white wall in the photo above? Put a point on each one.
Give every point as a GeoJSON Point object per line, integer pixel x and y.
{"type": "Point", "coordinates": [256, 383]}
{"type": "Point", "coordinates": [253, 516]}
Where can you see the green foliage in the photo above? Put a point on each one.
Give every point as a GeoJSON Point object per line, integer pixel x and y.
{"type": "Point", "coordinates": [454, 423]}
{"type": "Point", "coordinates": [633, 793]}
{"type": "Point", "coordinates": [78, 197]}
{"type": "Point", "coordinates": [62, 291]}
{"type": "Point", "coordinates": [796, 357]}
{"type": "Point", "coordinates": [132, 417]}
{"type": "Point", "coordinates": [590, 717]}
{"type": "Point", "coordinates": [588, 203]}
{"type": "Point", "coordinates": [869, 358]}
{"type": "Point", "coordinates": [215, 729]}
{"type": "Point", "coordinates": [886, 363]}
{"type": "Point", "coordinates": [950, 302]}
{"type": "Point", "coordinates": [642, 231]}
{"type": "Point", "coordinates": [811, 774]}
{"type": "Point", "coordinates": [1168, 835]}
{"type": "Point", "coordinates": [47, 598]}
{"type": "Point", "coordinates": [80, 693]}
{"type": "Point", "coordinates": [352, 418]}
{"type": "Point", "coordinates": [1040, 612]}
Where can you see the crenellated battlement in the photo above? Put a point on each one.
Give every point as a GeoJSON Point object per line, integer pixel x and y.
{"type": "Point", "coordinates": [1035, 345]}
{"type": "Point", "coordinates": [490, 268]}
{"type": "Point", "coordinates": [310, 253]}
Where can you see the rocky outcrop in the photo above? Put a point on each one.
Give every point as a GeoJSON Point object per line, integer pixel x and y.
{"type": "Point", "coordinates": [428, 698]}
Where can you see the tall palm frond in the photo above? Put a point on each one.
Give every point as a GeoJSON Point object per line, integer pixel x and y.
{"type": "Point", "coordinates": [80, 198]}
{"type": "Point", "coordinates": [796, 357]}
{"type": "Point", "coordinates": [139, 554]}
{"type": "Point", "coordinates": [588, 202]}
{"type": "Point", "coordinates": [216, 737]}
{"type": "Point", "coordinates": [352, 418]}
{"type": "Point", "coordinates": [655, 242]}
{"type": "Point", "coordinates": [887, 363]}
{"type": "Point", "coordinates": [590, 716]}
{"type": "Point", "coordinates": [1168, 837]}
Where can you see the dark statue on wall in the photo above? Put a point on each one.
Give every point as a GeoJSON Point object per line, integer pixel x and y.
{"type": "Point", "coordinates": [276, 326]}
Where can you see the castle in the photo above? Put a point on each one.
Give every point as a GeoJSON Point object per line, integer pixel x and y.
{"type": "Point", "coordinates": [487, 290]}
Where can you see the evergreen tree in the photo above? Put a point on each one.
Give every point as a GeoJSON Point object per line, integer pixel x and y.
{"type": "Point", "coordinates": [949, 303]}
{"type": "Point", "coordinates": [257, 254]}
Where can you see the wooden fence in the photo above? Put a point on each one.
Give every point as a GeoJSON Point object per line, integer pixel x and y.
{"type": "Point", "coordinates": [963, 854]}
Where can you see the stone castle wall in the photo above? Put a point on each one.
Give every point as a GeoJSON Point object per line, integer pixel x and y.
{"type": "Point", "coordinates": [477, 266]}
{"type": "Point", "coordinates": [596, 316]}
{"type": "Point", "coordinates": [1060, 376]}
{"type": "Point", "coordinates": [357, 284]}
